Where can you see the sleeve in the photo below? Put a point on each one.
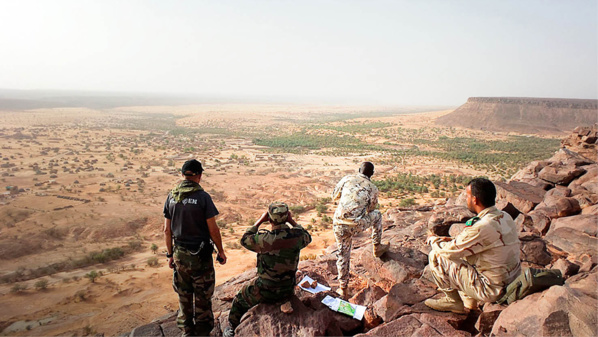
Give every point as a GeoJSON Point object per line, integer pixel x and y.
{"type": "Point", "coordinates": [373, 199]}
{"type": "Point", "coordinates": [468, 242]}
{"type": "Point", "coordinates": [305, 236]}
{"type": "Point", "coordinates": [336, 194]}
{"type": "Point", "coordinates": [210, 210]}
{"type": "Point", "coordinates": [251, 239]}
{"type": "Point", "coordinates": [166, 210]}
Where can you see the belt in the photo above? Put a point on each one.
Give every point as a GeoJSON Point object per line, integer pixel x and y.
{"type": "Point", "coordinates": [194, 248]}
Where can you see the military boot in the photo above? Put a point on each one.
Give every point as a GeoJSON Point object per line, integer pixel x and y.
{"type": "Point", "coordinates": [451, 302]}
{"type": "Point", "coordinates": [380, 249]}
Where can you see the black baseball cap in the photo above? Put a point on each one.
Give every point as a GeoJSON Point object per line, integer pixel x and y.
{"type": "Point", "coordinates": [192, 168]}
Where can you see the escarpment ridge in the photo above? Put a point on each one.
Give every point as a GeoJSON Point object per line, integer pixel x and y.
{"type": "Point", "coordinates": [523, 114]}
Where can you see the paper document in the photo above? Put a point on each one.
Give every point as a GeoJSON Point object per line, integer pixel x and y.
{"type": "Point", "coordinates": [317, 289]}
{"type": "Point", "coordinates": [336, 304]}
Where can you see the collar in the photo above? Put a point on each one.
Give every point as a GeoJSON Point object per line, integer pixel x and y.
{"type": "Point", "coordinates": [486, 211]}
{"type": "Point", "coordinates": [363, 176]}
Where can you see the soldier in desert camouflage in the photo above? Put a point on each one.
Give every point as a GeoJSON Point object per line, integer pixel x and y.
{"type": "Point", "coordinates": [479, 262]}
{"type": "Point", "coordinates": [277, 258]}
{"type": "Point", "coordinates": [357, 199]}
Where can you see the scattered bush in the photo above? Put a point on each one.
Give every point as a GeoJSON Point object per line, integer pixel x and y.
{"type": "Point", "coordinates": [18, 287]}
{"type": "Point", "coordinates": [407, 202]}
{"type": "Point", "coordinates": [92, 276]}
{"type": "Point", "coordinates": [153, 262]}
{"type": "Point", "coordinates": [41, 284]}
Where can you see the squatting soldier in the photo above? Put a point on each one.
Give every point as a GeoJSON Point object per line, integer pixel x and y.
{"type": "Point", "coordinates": [190, 220]}
{"type": "Point", "coordinates": [277, 258]}
{"type": "Point", "coordinates": [478, 263]}
{"type": "Point", "coordinates": [357, 199]}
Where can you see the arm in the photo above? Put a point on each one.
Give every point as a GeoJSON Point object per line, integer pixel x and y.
{"type": "Point", "coordinates": [468, 242]}
{"type": "Point", "coordinates": [306, 238]}
{"type": "Point", "coordinates": [215, 235]}
{"type": "Point", "coordinates": [373, 199]}
{"type": "Point", "coordinates": [336, 194]}
{"type": "Point", "coordinates": [251, 239]}
{"type": "Point", "coordinates": [168, 241]}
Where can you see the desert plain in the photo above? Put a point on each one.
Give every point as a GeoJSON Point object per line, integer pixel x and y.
{"type": "Point", "coordinates": [81, 244]}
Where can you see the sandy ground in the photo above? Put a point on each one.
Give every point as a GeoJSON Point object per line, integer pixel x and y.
{"type": "Point", "coordinates": [87, 185]}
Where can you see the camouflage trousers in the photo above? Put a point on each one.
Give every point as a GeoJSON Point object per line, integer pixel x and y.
{"type": "Point", "coordinates": [254, 293]}
{"type": "Point", "coordinates": [459, 275]}
{"type": "Point", "coordinates": [193, 280]}
{"type": "Point", "coordinates": [344, 241]}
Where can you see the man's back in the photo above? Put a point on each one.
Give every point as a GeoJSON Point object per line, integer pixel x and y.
{"type": "Point", "coordinates": [278, 252]}
{"type": "Point", "coordinates": [189, 216]}
{"type": "Point", "coordinates": [356, 195]}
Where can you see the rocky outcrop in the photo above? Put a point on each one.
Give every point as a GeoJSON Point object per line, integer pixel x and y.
{"type": "Point", "coordinates": [524, 115]}
{"type": "Point", "coordinates": [583, 141]}
{"type": "Point", "coordinates": [557, 217]}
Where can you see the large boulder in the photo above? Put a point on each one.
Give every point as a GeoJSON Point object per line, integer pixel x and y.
{"type": "Point", "coordinates": [269, 320]}
{"type": "Point", "coordinates": [552, 196]}
{"type": "Point", "coordinates": [490, 313]}
{"type": "Point", "coordinates": [560, 174]}
{"type": "Point", "coordinates": [566, 267]}
{"type": "Point", "coordinates": [571, 241]}
{"type": "Point", "coordinates": [367, 297]}
{"type": "Point", "coordinates": [531, 170]}
{"type": "Point", "coordinates": [590, 175]}
{"type": "Point", "coordinates": [587, 223]}
{"type": "Point", "coordinates": [533, 250]}
{"type": "Point", "coordinates": [422, 324]}
{"type": "Point", "coordinates": [402, 297]}
{"type": "Point", "coordinates": [440, 221]}
{"type": "Point", "coordinates": [538, 220]}
{"type": "Point", "coordinates": [568, 310]}
{"type": "Point", "coordinates": [395, 266]}
{"type": "Point", "coordinates": [566, 156]}
{"type": "Point", "coordinates": [521, 195]}
{"type": "Point", "coordinates": [583, 141]}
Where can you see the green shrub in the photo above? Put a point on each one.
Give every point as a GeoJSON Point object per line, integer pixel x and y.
{"type": "Point", "coordinates": [407, 202]}
{"type": "Point", "coordinates": [153, 262]}
{"type": "Point", "coordinates": [41, 284]}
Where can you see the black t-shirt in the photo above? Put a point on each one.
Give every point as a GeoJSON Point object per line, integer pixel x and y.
{"type": "Point", "coordinates": [188, 217]}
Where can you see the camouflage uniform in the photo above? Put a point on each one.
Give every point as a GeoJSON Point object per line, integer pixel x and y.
{"type": "Point", "coordinates": [277, 259]}
{"type": "Point", "coordinates": [481, 260]}
{"type": "Point", "coordinates": [194, 276]}
{"type": "Point", "coordinates": [356, 211]}
{"type": "Point", "coordinates": [188, 207]}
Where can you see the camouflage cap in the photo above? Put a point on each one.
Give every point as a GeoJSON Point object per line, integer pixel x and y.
{"type": "Point", "coordinates": [278, 211]}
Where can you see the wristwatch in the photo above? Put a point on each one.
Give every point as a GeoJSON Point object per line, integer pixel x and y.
{"type": "Point", "coordinates": [168, 255]}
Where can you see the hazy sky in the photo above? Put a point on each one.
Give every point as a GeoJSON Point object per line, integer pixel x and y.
{"type": "Point", "coordinates": [373, 52]}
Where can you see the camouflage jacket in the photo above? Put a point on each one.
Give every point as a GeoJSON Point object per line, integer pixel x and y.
{"type": "Point", "coordinates": [277, 252]}
{"type": "Point", "coordinates": [356, 196]}
{"type": "Point", "coordinates": [491, 245]}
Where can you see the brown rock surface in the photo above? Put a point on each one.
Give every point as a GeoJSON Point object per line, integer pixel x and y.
{"type": "Point", "coordinates": [441, 220]}
{"type": "Point", "coordinates": [560, 174]}
{"type": "Point", "coordinates": [534, 251]}
{"type": "Point", "coordinates": [268, 320]}
{"type": "Point", "coordinates": [583, 141]}
{"type": "Point", "coordinates": [523, 196]}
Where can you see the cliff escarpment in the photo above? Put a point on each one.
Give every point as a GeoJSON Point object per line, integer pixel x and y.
{"type": "Point", "coordinates": [523, 114]}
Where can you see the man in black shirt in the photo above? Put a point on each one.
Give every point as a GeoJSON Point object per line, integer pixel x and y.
{"type": "Point", "coordinates": [190, 221]}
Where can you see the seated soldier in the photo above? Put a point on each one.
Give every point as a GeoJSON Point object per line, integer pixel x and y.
{"type": "Point", "coordinates": [479, 262]}
{"type": "Point", "coordinates": [277, 258]}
